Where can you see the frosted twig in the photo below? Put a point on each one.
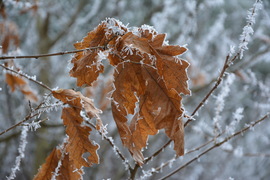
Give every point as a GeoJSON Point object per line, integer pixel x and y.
{"type": "Point", "coordinates": [219, 79]}
{"type": "Point", "coordinates": [247, 30]}
{"type": "Point", "coordinates": [21, 150]}
{"type": "Point", "coordinates": [28, 117]}
{"type": "Point", "coordinates": [52, 54]}
{"type": "Point", "coordinates": [229, 61]}
{"type": "Point", "coordinates": [158, 169]}
{"type": "Point", "coordinates": [19, 123]}
{"type": "Point", "coordinates": [220, 101]}
{"type": "Point", "coordinates": [217, 145]}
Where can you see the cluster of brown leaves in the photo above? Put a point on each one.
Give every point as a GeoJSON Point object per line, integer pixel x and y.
{"type": "Point", "coordinates": [148, 81]}
{"type": "Point", "coordinates": [78, 142]}
{"type": "Point", "coordinates": [147, 75]}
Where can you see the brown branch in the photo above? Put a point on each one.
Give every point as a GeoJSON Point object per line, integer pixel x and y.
{"type": "Point", "coordinates": [47, 55]}
{"type": "Point", "coordinates": [191, 151]}
{"type": "Point", "coordinates": [19, 123]}
{"type": "Point", "coordinates": [226, 65]}
{"type": "Point", "coordinates": [217, 145]}
{"type": "Point", "coordinates": [29, 116]}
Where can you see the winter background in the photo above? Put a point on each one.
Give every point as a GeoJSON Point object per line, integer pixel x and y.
{"type": "Point", "coordinates": [210, 29]}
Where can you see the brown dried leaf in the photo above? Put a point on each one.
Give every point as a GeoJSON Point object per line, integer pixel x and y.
{"type": "Point", "coordinates": [9, 35]}
{"type": "Point", "coordinates": [79, 143]}
{"type": "Point", "coordinates": [87, 65]}
{"type": "Point", "coordinates": [170, 68]}
{"type": "Point", "coordinates": [104, 97]}
{"type": "Point", "coordinates": [174, 73]}
{"type": "Point", "coordinates": [159, 108]}
{"type": "Point", "coordinates": [77, 100]}
{"type": "Point", "coordinates": [16, 82]}
{"type": "Point", "coordinates": [86, 69]}
{"type": "Point", "coordinates": [66, 171]}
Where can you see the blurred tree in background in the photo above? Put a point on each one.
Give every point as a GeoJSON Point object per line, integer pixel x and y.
{"type": "Point", "coordinates": [208, 28]}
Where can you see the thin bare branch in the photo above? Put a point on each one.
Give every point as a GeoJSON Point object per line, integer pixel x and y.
{"type": "Point", "coordinates": [19, 123]}
{"type": "Point", "coordinates": [219, 79]}
{"type": "Point", "coordinates": [28, 117]}
{"type": "Point", "coordinates": [47, 55]}
{"type": "Point", "coordinates": [217, 145]}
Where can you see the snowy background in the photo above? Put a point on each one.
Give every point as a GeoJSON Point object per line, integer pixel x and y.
{"type": "Point", "coordinates": [210, 29]}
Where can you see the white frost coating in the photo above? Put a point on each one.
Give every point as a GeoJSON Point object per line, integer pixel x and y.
{"type": "Point", "coordinates": [128, 49]}
{"type": "Point", "coordinates": [63, 151]}
{"type": "Point", "coordinates": [135, 31]}
{"type": "Point", "coordinates": [33, 126]}
{"type": "Point", "coordinates": [171, 162]}
{"type": "Point", "coordinates": [114, 27]}
{"type": "Point", "coordinates": [146, 174]}
{"type": "Point", "coordinates": [247, 30]}
{"type": "Point", "coordinates": [78, 171]}
{"type": "Point", "coordinates": [237, 116]}
{"type": "Point", "coordinates": [232, 50]}
{"type": "Point", "coordinates": [56, 88]}
{"type": "Point", "coordinates": [102, 55]}
{"type": "Point", "coordinates": [151, 29]}
{"type": "Point", "coordinates": [220, 100]}
{"type": "Point", "coordinates": [21, 150]}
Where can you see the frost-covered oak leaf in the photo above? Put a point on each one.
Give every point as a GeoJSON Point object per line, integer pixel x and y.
{"type": "Point", "coordinates": [79, 142]}
{"type": "Point", "coordinates": [158, 108]}
{"type": "Point", "coordinates": [77, 100]}
{"type": "Point", "coordinates": [170, 68]}
{"type": "Point", "coordinates": [148, 74]}
{"type": "Point", "coordinates": [65, 171]}
{"type": "Point", "coordinates": [87, 65]}
{"type": "Point", "coordinates": [78, 145]}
